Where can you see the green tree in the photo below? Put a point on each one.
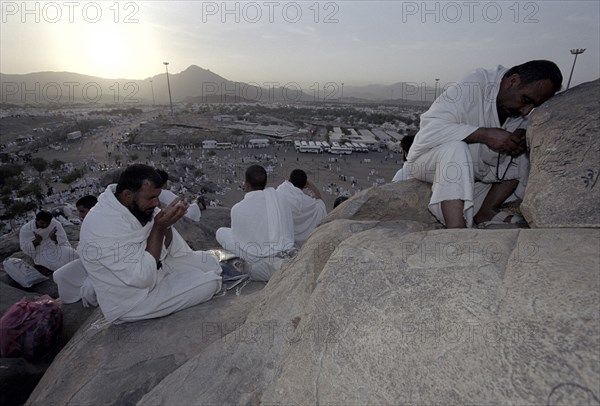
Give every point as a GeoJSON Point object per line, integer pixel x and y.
{"type": "Point", "coordinates": [72, 177]}
{"type": "Point", "coordinates": [39, 164]}
{"type": "Point", "coordinates": [18, 208]}
{"type": "Point", "coordinates": [56, 164]}
{"type": "Point", "coordinates": [8, 172]}
{"type": "Point", "coordinates": [32, 189]}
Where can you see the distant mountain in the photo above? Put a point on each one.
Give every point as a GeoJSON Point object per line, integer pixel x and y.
{"type": "Point", "coordinates": [194, 84]}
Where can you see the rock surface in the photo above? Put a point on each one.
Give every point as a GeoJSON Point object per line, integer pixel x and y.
{"type": "Point", "coordinates": [393, 201]}
{"type": "Point", "coordinates": [118, 364]}
{"type": "Point", "coordinates": [400, 317]}
{"type": "Point", "coordinates": [564, 184]}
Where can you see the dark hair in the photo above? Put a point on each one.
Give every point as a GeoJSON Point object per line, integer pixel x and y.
{"type": "Point", "coordinates": [88, 201]}
{"type": "Point", "coordinates": [298, 178]}
{"type": "Point", "coordinates": [406, 142]}
{"type": "Point", "coordinates": [339, 200]}
{"type": "Point", "coordinates": [134, 176]}
{"type": "Point", "coordinates": [256, 176]}
{"type": "Point", "coordinates": [538, 70]}
{"type": "Point", "coordinates": [43, 216]}
{"type": "Point", "coordinates": [164, 175]}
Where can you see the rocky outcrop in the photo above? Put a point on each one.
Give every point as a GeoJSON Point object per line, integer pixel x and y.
{"type": "Point", "coordinates": [393, 201]}
{"type": "Point", "coordinates": [379, 307]}
{"type": "Point", "coordinates": [118, 364]}
{"type": "Point", "coordinates": [564, 136]}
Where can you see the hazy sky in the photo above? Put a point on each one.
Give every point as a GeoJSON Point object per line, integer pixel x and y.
{"type": "Point", "coordinates": [356, 42]}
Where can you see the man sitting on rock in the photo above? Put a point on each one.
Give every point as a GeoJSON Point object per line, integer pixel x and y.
{"type": "Point", "coordinates": [139, 265]}
{"type": "Point", "coordinates": [405, 172]}
{"type": "Point", "coordinates": [45, 241]}
{"type": "Point", "coordinates": [307, 211]}
{"type": "Point", "coordinates": [262, 229]}
{"type": "Point", "coordinates": [471, 145]}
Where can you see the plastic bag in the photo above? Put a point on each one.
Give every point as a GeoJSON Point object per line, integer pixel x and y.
{"type": "Point", "coordinates": [22, 273]}
{"type": "Point", "coordinates": [29, 328]}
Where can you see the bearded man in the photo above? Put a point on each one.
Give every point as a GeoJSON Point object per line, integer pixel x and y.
{"type": "Point", "coordinates": [139, 265]}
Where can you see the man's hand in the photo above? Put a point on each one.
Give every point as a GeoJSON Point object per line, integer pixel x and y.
{"type": "Point", "coordinates": [500, 140]}
{"type": "Point", "coordinates": [171, 214]}
{"type": "Point", "coordinates": [519, 132]}
{"type": "Point", "coordinates": [161, 233]}
{"type": "Point", "coordinates": [37, 240]}
{"type": "Point", "coordinates": [53, 235]}
{"type": "Point", "coordinates": [313, 188]}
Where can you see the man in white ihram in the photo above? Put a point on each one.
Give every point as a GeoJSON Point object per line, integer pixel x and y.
{"type": "Point", "coordinates": [262, 229]}
{"type": "Point", "coordinates": [45, 241]}
{"type": "Point", "coordinates": [307, 211]}
{"type": "Point", "coordinates": [139, 265]}
{"type": "Point", "coordinates": [471, 145]}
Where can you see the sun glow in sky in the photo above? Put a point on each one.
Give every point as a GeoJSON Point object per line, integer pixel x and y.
{"type": "Point", "coordinates": [356, 42]}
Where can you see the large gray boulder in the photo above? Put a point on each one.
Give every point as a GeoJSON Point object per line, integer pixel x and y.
{"type": "Point", "coordinates": [140, 355]}
{"type": "Point", "coordinates": [406, 200]}
{"type": "Point", "coordinates": [400, 317]}
{"type": "Point", "coordinates": [564, 185]}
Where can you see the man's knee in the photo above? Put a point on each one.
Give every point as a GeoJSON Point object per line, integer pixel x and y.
{"type": "Point", "coordinates": [450, 162]}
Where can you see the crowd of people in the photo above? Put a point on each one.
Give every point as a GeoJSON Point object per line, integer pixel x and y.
{"type": "Point", "coordinates": [132, 261]}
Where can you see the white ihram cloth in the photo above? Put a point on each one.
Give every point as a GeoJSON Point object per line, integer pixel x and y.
{"type": "Point", "coordinates": [261, 233]}
{"type": "Point", "coordinates": [456, 169]}
{"type": "Point", "coordinates": [307, 212]}
{"type": "Point", "coordinates": [74, 285]}
{"type": "Point", "coordinates": [404, 173]}
{"type": "Point", "coordinates": [48, 253]}
{"type": "Point", "coordinates": [128, 284]}
{"type": "Point", "coordinates": [193, 211]}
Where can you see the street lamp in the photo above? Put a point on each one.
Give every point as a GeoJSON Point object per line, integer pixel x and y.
{"type": "Point", "coordinates": [437, 80]}
{"type": "Point", "coordinates": [574, 52]}
{"type": "Point", "coordinates": [169, 86]}
{"type": "Point", "coordinates": [152, 87]}
{"type": "Point", "coordinates": [342, 96]}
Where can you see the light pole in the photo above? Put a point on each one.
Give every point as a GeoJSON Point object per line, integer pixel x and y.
{"type": "Point", "coordinates": [437, 80]}
{"type": "Point", "coordinates": [342, 96]}
{"type": "Point", "coordinates": [152, 87]}
{"type": "Point", "coordinates": [574, 52]}
{"type": "Point", "coordinates": [169, 86]}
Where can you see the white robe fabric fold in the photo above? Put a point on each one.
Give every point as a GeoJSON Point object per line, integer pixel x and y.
{"type": "Point", "coordinates": [440, 156]}
{"type": "Point", "coordinates": [307, 212]}
{"type": "Point", "coordinates": [124, 275]}
{"type": "Point", "coordinates": [48, 253]}
{"type": "Point", "coordinates": [404, 173]}
{"type": "Point", "coordinates": [193, 212]}
{"type": "Point", "coordinates": [262, 231]}
{"type": "Point", "coordinates": [74, 285]}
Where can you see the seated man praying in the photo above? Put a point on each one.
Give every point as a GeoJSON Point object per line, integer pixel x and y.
{"type": "Point", "coordinates": [139, 265]}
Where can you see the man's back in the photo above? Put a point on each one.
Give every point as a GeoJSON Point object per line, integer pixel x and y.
{"type": "Point", "coordinates": [262, 223]}
{"type": "Point", "coordinates": [307, 212]}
